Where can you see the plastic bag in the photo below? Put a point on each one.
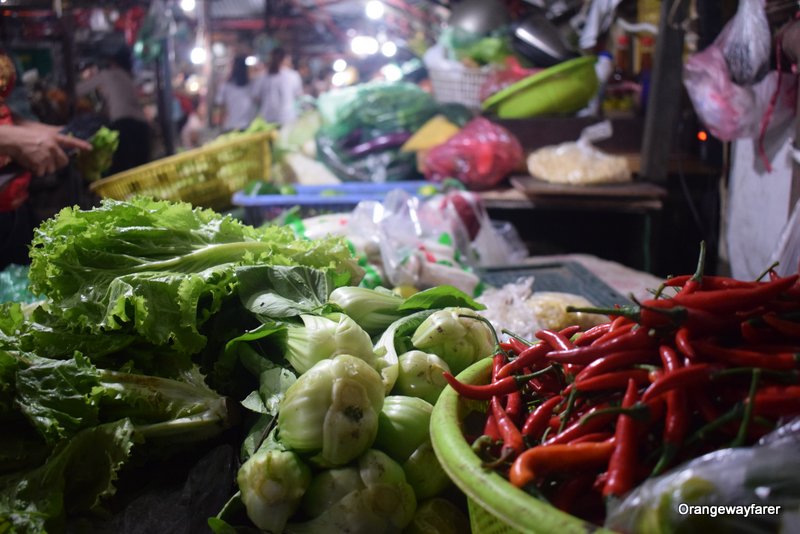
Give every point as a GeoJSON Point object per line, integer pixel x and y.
{"type": "Point", "coordinates": [502, 78]}
{"type": "Point", "coordinates": [740, 54]}
{"type": "Point", "coordinates": [361, 140]}
{"type": "Point", "coordinates": [746, 45]}
{"type": "Point", "coordinates": [479, 156]}
{"type": "Point", "coordinates": [787, 253]}
{"type": "Point", "coordinates": [580, 163]}
{"type": "Point", "coordinates": [744, 480]}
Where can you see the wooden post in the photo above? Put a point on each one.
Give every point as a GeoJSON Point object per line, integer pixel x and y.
{"type": "Point", "coordinates": [666, 89]}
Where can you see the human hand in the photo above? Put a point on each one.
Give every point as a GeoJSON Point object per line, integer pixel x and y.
{"type": "Point", "coordinates": [39, 147]}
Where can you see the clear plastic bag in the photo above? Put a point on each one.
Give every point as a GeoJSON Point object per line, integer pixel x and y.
{"type": "Point", "coordinates": [728, 83]}
{"type": "Point", "coordinates": [747, 43]}
{"type": "Point", "coordinates": [580, 162]}
{"type": "Point", "coordinates": [745, 481]}
{"type": "Point", "coordinates": [479, 156]}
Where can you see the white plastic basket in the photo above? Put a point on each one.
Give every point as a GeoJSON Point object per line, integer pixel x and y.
{"type": "Point", "coordinates": [460, 86]}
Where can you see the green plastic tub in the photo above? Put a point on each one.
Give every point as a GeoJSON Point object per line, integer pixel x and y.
{"type": "Point", "coordinates": [560, 90]}
{"type": "Point", "coordinates": [495, 506]}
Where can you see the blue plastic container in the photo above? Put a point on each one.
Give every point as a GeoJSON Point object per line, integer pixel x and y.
{"type": "Point", "coordinates": [319, 199]}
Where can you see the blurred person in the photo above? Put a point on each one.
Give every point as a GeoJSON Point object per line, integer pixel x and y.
{"type": "Point", "coordinates": [277, 92]}
{"type": "Point", "coordinates": [194, 132]}
{"type": "Point", "coordinates": [235, 98]}
{"type": "Point", "coordinates": [28, 149]}
{"type": "Point", "coordinates": [117, 89]}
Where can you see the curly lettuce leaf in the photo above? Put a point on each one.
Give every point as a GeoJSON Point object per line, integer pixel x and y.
{"type": "Point", "coordinates": [77, 475]}
{"type": "Point", "coordinates": [160, 269]}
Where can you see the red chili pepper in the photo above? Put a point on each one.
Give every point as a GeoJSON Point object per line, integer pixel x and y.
{"type": "Point", "coordinates": [694, 375]}
{"type": "Point", "coordinates": [683, 343]}
{"type": "Point", "coordinates": [508, 346]}
{"type": "Point", "coordinates": [580, 428]}
{"type": "Point", "coordinates": [784, 326]}
{"type": "Point", "coordinates": [613, 380]}
{"type": "Point", "coordinates": [517, 345]}
{"type": "Point", "coordinates": [676, 426]}
{"type": "Point", "coordinates": [591, 335]}
{"type": "Point", "coordinates": [623, 462]}
{"type": "Point", "coordinates": [711, 282]}
{"type": "Point", "coordinates": [509, 433]}
{"type": "Point", "coordinates": [490, 427]}
{"type": "Point", "coordinates": [503, 386]}
{"type": "Point", "coordinates": [747, 358]}
{"type": "Point", "coordinates": [615, 361]}
{"type": "Point", "coordinates": [556, 340]}
{"type": "Point", "coordinates": [669, 358]}
{"type": "Point", "coordinates": [537, 421]}
{"type": "Point", "coordinates": [627, 326]}
{"type": "Point", "coordinates": [514, 406]}
{"type": "Point", "coordinates": [498, 361]}
{"type": "Point", "coordinates": [568, 493]}
{"type": "Point", "coordinates": [753, 334]}
{"type": "Point", "coordinates": [527, 358]}
{"type": "Point", "coordinates": [542, 460]}
{"type": "Point", "coordinates": [731, 300]}
{"type": "Point", "coordinates": [593, 437]}
{"type": "Point", "coordinates": [777, 402]}
{"type": "Point", "coordinates": [636, 339]}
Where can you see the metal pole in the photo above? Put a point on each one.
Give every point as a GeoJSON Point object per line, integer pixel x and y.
{"type": "Point", "coordinates": [164, 93]}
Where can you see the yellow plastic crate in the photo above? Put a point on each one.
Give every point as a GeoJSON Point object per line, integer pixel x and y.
{"type": "Point", "coordinates": [206, 177]}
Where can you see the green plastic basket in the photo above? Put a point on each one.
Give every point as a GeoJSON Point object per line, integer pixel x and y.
{"type": "Point", "coordinates": [495, 506]}
{"type": "Point", "coordinates": [560, 90]}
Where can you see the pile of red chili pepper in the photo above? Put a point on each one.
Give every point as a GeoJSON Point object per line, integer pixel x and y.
{"type": "Point", "coordinates": [709, 362]}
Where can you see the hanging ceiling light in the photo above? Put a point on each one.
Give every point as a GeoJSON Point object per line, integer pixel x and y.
{"type": "Point", "coordinates": [188, 5]}
{"type": "Point", "coordinates": [389, 49]}
{"type": "Point", "coordinates": [198, 55]}
{"type": "Point", "coordinates": [339, 65]}
{"type": "Point", "coordinates": [374, 9]}
{"type": "Point", "coordinates": [364, 45]}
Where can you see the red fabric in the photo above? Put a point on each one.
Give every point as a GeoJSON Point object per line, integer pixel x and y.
{"type": "Point", "coordinates": [15, 192]}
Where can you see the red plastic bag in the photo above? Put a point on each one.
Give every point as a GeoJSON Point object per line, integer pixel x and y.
{"type": "Point", "coordinates": [479, 156]}
{"type": "Point", "coordinates": [502, 78]}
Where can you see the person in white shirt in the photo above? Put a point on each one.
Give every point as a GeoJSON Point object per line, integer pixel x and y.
{"type": "Point", "coordinates": [235, 98]}
{"type": "Point", "coordinates": [276, 93]}
{"type": "Point", "coordinates": [119, 94]}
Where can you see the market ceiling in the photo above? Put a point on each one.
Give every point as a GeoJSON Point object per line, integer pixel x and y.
{"type": "Point", "coordinates": [303, 24]}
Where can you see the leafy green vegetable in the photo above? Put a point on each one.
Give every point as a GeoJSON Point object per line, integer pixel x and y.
{"type": "Point", "coordinates": [279, 292]}
{"type": "Point", "coordinates": [93, 163]}
{"type": "Point", "coordinates": [160, 268]}
{"type": "Point", "coordinates": [75, 477]}
{"type": "Point", "coordinates": [440, 297]}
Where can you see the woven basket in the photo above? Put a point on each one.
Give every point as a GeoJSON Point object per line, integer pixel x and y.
{"type": "Point", "coordinates": [495, 505]}
{"type": "Point", "coordinates": [460, 86]}
{"type": "Point", "coordinates": [205, 177]}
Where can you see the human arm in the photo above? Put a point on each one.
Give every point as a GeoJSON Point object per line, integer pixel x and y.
{"type": "Point", "coordinates": [40, 147]}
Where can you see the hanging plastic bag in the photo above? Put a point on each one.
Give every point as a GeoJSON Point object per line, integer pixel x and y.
{"type": "Point", "coordinates": [579, 162]}
{"type": "Point", "coordinates": [479, 156]}
{"type": "Point", "coordinates": [740, 54]}
{"type": "Point", "coordinates": [747, 43]}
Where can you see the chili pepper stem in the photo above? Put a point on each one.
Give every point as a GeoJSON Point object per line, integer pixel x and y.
{"type": "Point", "coordinates": [701, 264]}
{"type": "Point", "coordinates": [724, 419]}
{"type": "Point", "coordinates": [568, 410]}
{"type": "Point", "coordinates": [487, 322]}
{"type": "Point", "coordinates": [668, 452]}
{"type": "Point", "coordinates": [748, 410]}
{"type": "Point", "coordinates": [640, 412]}
{"type": "Point", "coordinates": [517, 337]}
{"type": "Point", "coordinates": [766, 271]}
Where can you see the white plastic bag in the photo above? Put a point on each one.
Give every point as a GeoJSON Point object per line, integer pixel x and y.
{"type": "Point", "coordinates": [747, 43]}
{"type": "Point", "coordinates": [756, 477]}
{"type": "Point", "coordinates": [580, 162]}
